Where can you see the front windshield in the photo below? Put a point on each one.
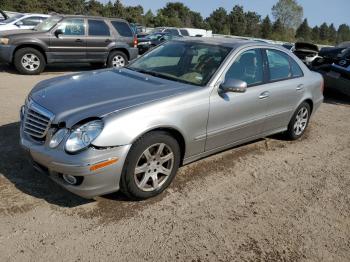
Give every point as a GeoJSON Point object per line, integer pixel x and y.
{"type": "Point", "coordinates": [187, 62]}
{"type": "Point", "coordinates": [48, 23]}
{"type": "Point", "coordinates": [12, 19]}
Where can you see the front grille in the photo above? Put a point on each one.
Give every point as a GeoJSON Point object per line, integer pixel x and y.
{"type": "Point", "coordinates": [37, 120]}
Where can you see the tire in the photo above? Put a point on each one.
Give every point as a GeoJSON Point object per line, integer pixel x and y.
{"type": "Point", "coordinates": [117, 59]}
{"type": "Point", "coordinates": [29, 61]}
{"type": "Point", "coordinates": [299, 122]}
{"type": "Point", "coordinates": [139, 183]}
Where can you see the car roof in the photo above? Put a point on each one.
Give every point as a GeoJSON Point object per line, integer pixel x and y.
{"type": "Point", "coordinates": [92, 17]}
{"type": "Point", "coordinates": [227, 42]}
{"type": "Point", "coordinates": [33, 14]}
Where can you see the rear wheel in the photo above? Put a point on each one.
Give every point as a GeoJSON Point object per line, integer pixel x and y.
{"type": "Point", "coordinates": [151, 165]}
{"type": "Point", "coordinates": [299, 121]}
{"type": "Point", "coordinates": [29, 61]}
{"type": "Point", "coordinates": [117, 59]}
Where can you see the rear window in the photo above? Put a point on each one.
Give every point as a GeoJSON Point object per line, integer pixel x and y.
{"type": "Point", "coordinates": [172, 31]}
{"type": "Point", "coordinates": [184, 32]}
{"type": "Point", "coordinates": [98, 28]}
{"type": "Point", "coordinates": [122, 28]}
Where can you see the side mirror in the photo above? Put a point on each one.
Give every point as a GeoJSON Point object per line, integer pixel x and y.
{"type": "Point", "coordinates": [58, 32]}
{"type": "Point", "coordinates": [233, 85]}
{"type": "Point", "coordinates": [19, 23]}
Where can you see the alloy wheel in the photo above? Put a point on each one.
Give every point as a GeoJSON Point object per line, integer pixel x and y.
{"type": "Point", "coordinates": [154, 167]}
{"type": "Point", "coordinates": [30, 62]}
{"type": "Point", "coordinates": [118, 61]}
{"type": "Point", "coordinates": [301, 120]}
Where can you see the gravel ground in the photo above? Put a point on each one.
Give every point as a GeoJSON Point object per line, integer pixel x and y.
{"type": "Point", "coordinates": [271, 200]}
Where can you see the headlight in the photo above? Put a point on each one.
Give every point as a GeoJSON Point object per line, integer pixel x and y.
{"type": "Point", "coordinates": [4, 41]}
{"type": "Point", "coordinates": [82, 137]}
{"type": "Point", "coordinates": [58, 137]}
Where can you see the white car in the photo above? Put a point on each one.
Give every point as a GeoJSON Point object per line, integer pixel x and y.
{"type": "Point", "coordinates": [22, 21]}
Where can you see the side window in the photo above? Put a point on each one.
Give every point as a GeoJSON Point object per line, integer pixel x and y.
{"type": "Point", "coordinates": [248, 67]}
{"type": "Point", "coordinates": [295, 68]}
{"type": "Point", "coordinates": [279, 66]}
{"type": "Point", "coordinates": [32, 21]}
{"type": "Point", "coordinates": [73, 26]}
{"type": "Point", "coordinates": [122, 28]}
{"type": "Point", "coordinates": [172, 31]}
{"type": "Point", "coordinates": [98, 28]}
{"type": "Point", "coordinates": [184, 32]}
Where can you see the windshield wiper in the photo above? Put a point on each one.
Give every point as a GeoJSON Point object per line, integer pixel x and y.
{"type": "Point", "coordinates": [156, 74]}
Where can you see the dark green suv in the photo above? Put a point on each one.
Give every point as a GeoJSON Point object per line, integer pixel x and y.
{"type": "Point", "coordinates": [69, 39]}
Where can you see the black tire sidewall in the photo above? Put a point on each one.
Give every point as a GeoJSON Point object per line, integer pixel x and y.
{"type": "Point", "coordinates": [128, 184]}
{"type": "Point", "coordinates": [115, 53]}
{"type": "Point", "coordinates": [291, 133]}
{"type": "Point", "coordinates": [17, 61]}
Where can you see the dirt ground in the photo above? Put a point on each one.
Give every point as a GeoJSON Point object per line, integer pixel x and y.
{"type": "Point", "coordinates": [271, 200]}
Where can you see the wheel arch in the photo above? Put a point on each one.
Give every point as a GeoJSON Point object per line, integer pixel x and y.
{"type": "Point", "coordinates": [121, 49]}
{"type": "Point", "coordinates": [34, 46]}
{"type": "Point", "coordinates": [311, 104]}
{"type": "Point", "coordinates": [174, 133]}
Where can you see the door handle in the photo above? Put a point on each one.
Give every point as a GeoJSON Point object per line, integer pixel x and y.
{"type": "Point", "coordinates": [300, 87]}
{"type": "Point", "coordinates": [265, 94]}
{"type": "Point", "coordinates": [78, 40]}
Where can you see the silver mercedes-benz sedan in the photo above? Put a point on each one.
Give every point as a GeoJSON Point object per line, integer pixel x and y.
{"type": "Point", "coordinates": [130, 129]}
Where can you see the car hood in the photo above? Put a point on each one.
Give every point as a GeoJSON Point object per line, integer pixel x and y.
{"type": "Point", "coordinates": [308, 47]}
{"type": "Point", "coordinates": [97, 93]}
{"type": "Point", "coordinates": [12, 30]}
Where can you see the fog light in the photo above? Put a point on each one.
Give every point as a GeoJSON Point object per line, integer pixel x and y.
{"type": "Point", "coordinates": [72, 180]}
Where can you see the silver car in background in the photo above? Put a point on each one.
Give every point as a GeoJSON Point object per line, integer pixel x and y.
{"type": "Point", "coordinates": [130, 129]}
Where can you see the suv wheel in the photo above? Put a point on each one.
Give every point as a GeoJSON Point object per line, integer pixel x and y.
{"type": "Point", "coordinates": [299, 121]}
{"type": "Point", "coordinates": [117, 59]}
{"type": "Point", "coordinates": [151, 165]}
{"type": "Point", "coordinates": [29, 61]}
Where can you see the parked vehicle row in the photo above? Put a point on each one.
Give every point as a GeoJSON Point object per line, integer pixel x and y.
{"type": "Point", "coordinates": [130, 129]}
{"type": "Point", "coordinates": [152, 40]}
{"type": "Point", "coordinates": [22, 21]}
{"type": "Point", "coordinates": [66, 38]}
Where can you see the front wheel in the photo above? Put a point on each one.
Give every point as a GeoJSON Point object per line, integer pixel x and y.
{"type": "Point", "coordinates": [299, 121]}
{"type": "Point", "coordinates": [29, 61]}
{"type": "Point", "coordinates": [151, 165]}
{"type": "Point", "coordinates": [117, 59]}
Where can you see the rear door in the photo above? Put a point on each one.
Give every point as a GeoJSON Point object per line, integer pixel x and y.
{"type": "Point", "coordinates": [285, 88]}
{"type": "Point", "coordinates": [99, 40]}
{"type": "Point", "coordinates": [71, 45]}
{"type": "Point", "coordinates": [124, 31]}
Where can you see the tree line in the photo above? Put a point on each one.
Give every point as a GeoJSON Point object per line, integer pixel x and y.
{"type": "Point", "coordinates": [287, 23]}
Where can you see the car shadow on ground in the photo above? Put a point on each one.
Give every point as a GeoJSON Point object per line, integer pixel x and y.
{"type": "Point", "coordinates": [17, 169]}
{"type": "Point", "coordinates": [54, 68]}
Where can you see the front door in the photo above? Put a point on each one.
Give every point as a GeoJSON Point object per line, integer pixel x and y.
{"type": "Point", "coordinates": [71, 45]}
{"type": "Point", "coordinates": [234, 117]}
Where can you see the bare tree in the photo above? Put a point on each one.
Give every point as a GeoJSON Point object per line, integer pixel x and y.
{"type": "Point", "coordinates": [289, 12]}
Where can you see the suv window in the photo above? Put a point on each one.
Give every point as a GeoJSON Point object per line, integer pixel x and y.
{"type": "Point", "coordinates": [32, 21]}
{"type": "Point", "coordinates": [172, 31]}
{"type": "Point", "coordinates": [248, 67]}
{"type": "Point", "coordinates": [98, 28]}
{"type": "Point", "coordinates": [279, 66]}
{"type": "Point", "coordinates": [122, 28]}
{"type": "Point", "coordinates": [184, 32]}
{"type": "Point", "coordinates": [72, 26]}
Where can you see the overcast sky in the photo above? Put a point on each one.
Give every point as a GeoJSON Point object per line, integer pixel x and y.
{"type": "Point", "coordinates": [316, 11]}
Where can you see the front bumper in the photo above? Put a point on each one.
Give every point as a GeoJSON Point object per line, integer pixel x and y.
{"type": "Point", "coordinates": [56, 162]}
{"type": "Point", "coordinates": [6, 53]}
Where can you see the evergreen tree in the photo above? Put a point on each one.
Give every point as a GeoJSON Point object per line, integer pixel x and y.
{"type": "Point", "coordinates": [237, 21]}
{"type": "Point", "coordinates": [304, 31]}
{"type": "Point", "coordinates": [266, 28]}
{"type": "Point", "coordinates": [218, 21]}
